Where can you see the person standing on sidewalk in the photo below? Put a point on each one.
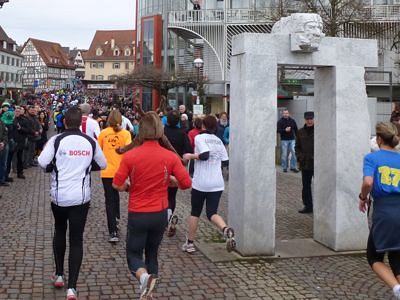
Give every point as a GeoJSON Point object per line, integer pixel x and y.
{"type": "Point", "coordinates": [305, 154]}
{"type": "Point", "coordinates": [381, 172]}
{"type": "Point", "coordinates": [110, 139]}
{"type": "Point", "coordinates": [151, 169]}
{"type": "Point", "coordinates": [20, 134]}
{"type": "Point", "coordinates": [69, 157]}
{"type": "Point", "coordinates": [287, 129]}
{"type": "Point", "coordinates": [208, 183]}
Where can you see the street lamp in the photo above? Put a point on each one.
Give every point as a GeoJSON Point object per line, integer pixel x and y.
{"type": "Point", "coordinates": [198, 63]}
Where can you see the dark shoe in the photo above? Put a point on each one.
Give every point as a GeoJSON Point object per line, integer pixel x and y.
{"type": "Point", "coordinates": [9, 179]}
{"type": "Point", "coordinates": [294, 170]}
{"type": "Point", "coordinates": [306, 210]}
{"type": "Point", "coordinates": [21, 176]}
{"type": "Point", "coordinates": [4, 184]}
{"type": "Point", "coordinates": [284, 170]}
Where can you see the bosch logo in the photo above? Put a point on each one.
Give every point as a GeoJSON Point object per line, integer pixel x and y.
{"type": "Point", "coordinates": [79, 153]}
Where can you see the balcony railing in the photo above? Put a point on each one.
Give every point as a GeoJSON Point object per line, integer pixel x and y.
{"type": "Point", "coordinates": [383, 12]}
{"type": "Point", "coordinates": [270, 14]}
{"type": "Point", "coordinates": [219, 15]}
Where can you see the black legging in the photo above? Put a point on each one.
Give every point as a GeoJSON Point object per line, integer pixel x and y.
{"type": "Point", "coordinates": [112, 204]}
{"type": "Point", "coordinates": [75, 216]}
{"type": "Point", "coordinates": [172, 198]}
{"type": "Point", "coordinates": [145, 233]}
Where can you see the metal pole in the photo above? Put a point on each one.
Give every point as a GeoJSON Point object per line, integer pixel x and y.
{"type": "Point", "coordinates": [198, 86]}
{"type": "Point", "coordinates": [391, 89]}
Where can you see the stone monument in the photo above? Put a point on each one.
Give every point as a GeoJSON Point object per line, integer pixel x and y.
{"type": "Point", "coordinates": [341, 135]}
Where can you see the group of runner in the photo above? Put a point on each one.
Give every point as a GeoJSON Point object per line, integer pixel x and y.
{"type": "Point", "coordinates": [151, 164]}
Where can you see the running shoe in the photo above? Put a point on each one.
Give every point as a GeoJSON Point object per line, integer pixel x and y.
{"type": "Point", "coordinates": [72, 295]}
{"type": "Point", "coordinates": [58, 281]}
{"type": "Point", "coordinates": [147, 288]}
{"type": "Point", "coordinates": [188, 247]}
{"type": "Point", "coordinates": [113, 237]}
{"type": "Point", "coordinates": [230, 240]}
{"type": "Point", "coordinates": [171, 231]}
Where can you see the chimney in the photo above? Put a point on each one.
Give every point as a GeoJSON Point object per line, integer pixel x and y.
{"type": "Point", "coordinates": [112, 43]}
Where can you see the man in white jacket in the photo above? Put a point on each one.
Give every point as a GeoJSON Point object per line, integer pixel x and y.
{"type": "Point", "coordinates": [69, 156]}
{"type": "Point", "coordinates": [89, 126]}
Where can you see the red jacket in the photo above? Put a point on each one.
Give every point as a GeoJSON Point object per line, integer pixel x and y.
{"type": "Point", "coordinates": [149, 167]}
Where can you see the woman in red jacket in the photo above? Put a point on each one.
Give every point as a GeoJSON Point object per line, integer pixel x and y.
{"type": "Point", "coordinates": [151, 169]}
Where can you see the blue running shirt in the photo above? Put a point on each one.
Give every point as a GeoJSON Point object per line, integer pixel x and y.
{"type": "Point", "coordinates": [384, 167]}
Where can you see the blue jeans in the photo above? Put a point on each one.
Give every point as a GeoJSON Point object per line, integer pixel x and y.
{"type": "Point", "coordinates": [286, 148]}
{"type": "Point", "coordinates": [3, 164]}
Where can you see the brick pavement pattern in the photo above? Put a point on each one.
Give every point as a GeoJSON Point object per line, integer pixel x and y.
{"type": "Point", "coordinates": [26, 260]}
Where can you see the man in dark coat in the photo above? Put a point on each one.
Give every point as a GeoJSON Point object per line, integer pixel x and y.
{"type": "Point", "coordinates": [20, 134]}
{"type": "Point", "coordinates": [305, 156]}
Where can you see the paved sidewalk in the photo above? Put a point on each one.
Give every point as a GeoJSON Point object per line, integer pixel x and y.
{"type": "Point", "coordinates": [26, 261]}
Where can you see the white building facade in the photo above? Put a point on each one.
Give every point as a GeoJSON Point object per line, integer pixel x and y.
{"type": "Point", "coordinates": [46, 66]}
{"type": "Point", "coordinates": [10, 66]}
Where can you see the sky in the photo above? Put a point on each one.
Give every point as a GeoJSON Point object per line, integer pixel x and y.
{"type": "Point", "coordinates": [72, 23]}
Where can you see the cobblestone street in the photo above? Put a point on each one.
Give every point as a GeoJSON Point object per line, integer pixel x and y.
{"type": "Point", "coordinates": [26, 260]}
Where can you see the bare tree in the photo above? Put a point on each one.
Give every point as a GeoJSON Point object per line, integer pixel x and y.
{"type": "Point", "coordinates": [337, 13]}
{"type": "Point", "coordinates": [155, 78]}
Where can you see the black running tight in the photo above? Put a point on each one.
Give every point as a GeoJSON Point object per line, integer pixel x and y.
{"type": "Point", "coordinates": [75, 216]}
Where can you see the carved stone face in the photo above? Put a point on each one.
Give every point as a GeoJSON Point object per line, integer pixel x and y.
{"type": "Point", "coordinates": [305, 31]}
{"type": "Point", "coordinates": [310, 37]}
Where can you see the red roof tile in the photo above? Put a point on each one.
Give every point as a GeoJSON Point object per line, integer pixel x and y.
{"type": "Point", "coordinates": [123, 39]}
{"type": "Point", "coordinates": [52, 54]}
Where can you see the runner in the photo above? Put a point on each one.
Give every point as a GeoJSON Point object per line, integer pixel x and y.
{"type": "Point", "coordinates": [381, 180]}
{"type": "Point", "coordinates": [150, 169]}
{"type": "Point", "coordinates": [208, 183]}
{"type": "Point", "coordinates": [68, 156]}
{"type": "Point", "coordinates": [110, 139]}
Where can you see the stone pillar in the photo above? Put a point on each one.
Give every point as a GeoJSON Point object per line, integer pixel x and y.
{"type": "Point", "coordinates": [252, 182]}
{"type": "Point", "coordinates": [342, 136]}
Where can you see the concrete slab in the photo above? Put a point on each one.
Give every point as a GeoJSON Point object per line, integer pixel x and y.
{"type": "Point", "coordinates": [297, 248]}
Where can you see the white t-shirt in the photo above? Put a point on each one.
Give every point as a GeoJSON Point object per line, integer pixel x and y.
{"type": "Point", "coordinates": [207, 175]}
{"type": "Point", "coordinates": [126, 124]}
{"type": "Point", "coordinates": [91, 128]}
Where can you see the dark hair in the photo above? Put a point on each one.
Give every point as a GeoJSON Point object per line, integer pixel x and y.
{"type": "Point", "coordinates": [73, 117]}
{"type": "Point", "coordinates": [173, 118]}
{"type": "Point", "coordinates": [210, 123]}
{"type": "Point", "coordinates": [197, 122]}
{"type": "Point", "coordinates": [395, 115]}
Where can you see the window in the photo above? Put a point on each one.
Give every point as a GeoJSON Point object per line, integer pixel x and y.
{"type": "Point", "coordinates": [116, 52]}
{"type": "Point", "coordinates": [17, 61]}
{"type": "Point", "coordinates": [99, 77]}
{"type": "Point", "coordinates": [2, 59]}
{"type": "Point", "coordinates": [7, 76]}
{"type": "Point", "coordinates": [8, 60]}
{"type": "Point", "coordinates": [11, 77]}
{"type": "Point", "coordinates": [2, 76]}
{"type": "Point", "coordinates": [116, 65]}
{"type": "Point", "coordinates": [13, 61]}
{"type": "Point", "coordinates": [99, 52]}
{"type": "Point", "coordinates": [126, 66]}
{"type": "Point", "coordinates": [100, 65]}
{"type": "Point", "coordinates": [127, 52]}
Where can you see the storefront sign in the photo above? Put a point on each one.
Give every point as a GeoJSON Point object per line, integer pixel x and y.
{"type": "Point", "coordinates": [101, 86]}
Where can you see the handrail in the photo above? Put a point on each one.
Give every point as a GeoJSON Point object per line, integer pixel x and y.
{"type": "Point", "coordinates": [269, 14]}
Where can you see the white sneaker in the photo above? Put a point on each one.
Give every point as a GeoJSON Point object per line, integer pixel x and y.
{"type": "Point", "coordinates": [188, 247]}
{"type": "Point", "coordinates": [147, 288]}
{"type": "Point", "coordinates": [58, 281]}
{"type": "Point", "coordinates": [396, 292]}
{"type": "Point", "coordinates": [72, 295]}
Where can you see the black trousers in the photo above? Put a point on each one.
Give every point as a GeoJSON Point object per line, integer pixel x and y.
{"type": "Point", "coordinates": [306, 194]}
{"type": "Point", "coordinates": [145, 233]}
{"type": "Point", "coordinates": [20, 161]}
{"type": "Point", "coordinates": [75, 217]}
{"type": "Point", "coordinates": [112, 204]}
{"type": "Point", "coordinates": [172, 198]}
